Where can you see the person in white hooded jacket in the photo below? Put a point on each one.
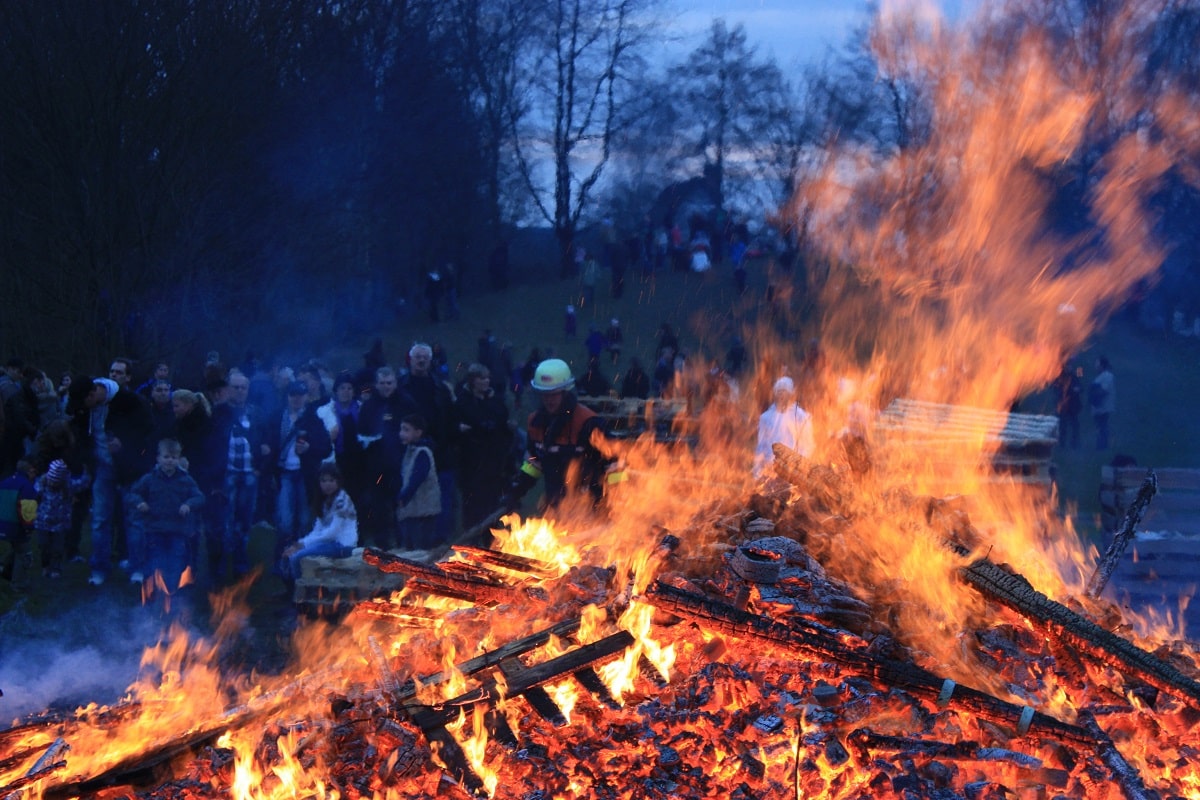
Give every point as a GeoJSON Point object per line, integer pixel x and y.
{"type": "Point", "coordinates": [785, 423]}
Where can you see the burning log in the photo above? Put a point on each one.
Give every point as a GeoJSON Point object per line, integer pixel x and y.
{"type": "Point", "coordinates": [479, 587]}
{"type": "Point", "coordinates": [508, 561]}
{"type": "Point", "coordinates": [1125, 774]}
{"type": "Point", "coordinates": [46, 763]}
{"type": "Point", "coordinates": [1122, 538]}
{"type": "Point", "coordinates": [562, 630]}
{"type": "Point", "coordinates": [1014, 592]}
{"type": "Point", "coordinates": [519, 679]}
{"type": "Point", "coordinates": [853, 654]}
{"type": "Point", "coordinates": [866, 739]}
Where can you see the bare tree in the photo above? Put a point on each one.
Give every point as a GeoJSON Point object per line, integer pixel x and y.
{"type": "Point", "coordinates": [576, 80]}
{"type": "Point", "coordinates": [728, 98]}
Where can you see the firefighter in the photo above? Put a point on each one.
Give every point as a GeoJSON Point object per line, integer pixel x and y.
{"type": "Point", "coordinates": [561, 442]}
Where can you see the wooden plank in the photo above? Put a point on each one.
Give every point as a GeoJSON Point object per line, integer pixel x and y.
{"type": "Point", "coordinates": [1170, 479]}
{"type": "Point", "coordinates": [957, 422]}
{"type": "Point", "coordinates": [522, 679]}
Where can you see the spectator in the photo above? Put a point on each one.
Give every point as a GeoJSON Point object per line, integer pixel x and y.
{"type": "Point", "coordinates": [594, 383]}
{"type": "Point", "coordinates": [162, 372]}
{"type": "Point", "coordinates": [613, 337]}
{"type": "Point", "coordinates": [570, 322]}
{"type": "Point", "coordinates": [202, 456]}
{"type": "Point", "coordinates": [1102, 399]}
{"type": "Point", "coordinates": [243, 464]}
{"type": "Point", "coordinates": [486, 438]}
{"type": "Point", "coordinates": [294, 445]}
{"type": "Point", "coordinates": [594, 343]}
{"type": "Point", "coordinates": [57, 489]}
{"type": "Point", "coordinates": [341, 417]}
{"type": "Point", "coordinates": [334, 534]}
{"type": "Point", "coordinates": [113, 425]}
{"type": "Point", "coordinates": [1068, 404]}
{"type": "Point", "coordinates": [18, 512]}
{"type": "Point", "coordinates": [166, 498]}
{"type": "Point", "coordinates": [784, 422]}
{"type": "Point", "coordinates": [379, 433]}
{"type": "Point", "coordinates": [418, 503]}
{"type": "Point", "coordinates": [435, 403]}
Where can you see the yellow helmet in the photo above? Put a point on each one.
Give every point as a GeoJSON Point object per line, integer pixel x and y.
{"type": "Point", "coordinates": [553, 375]}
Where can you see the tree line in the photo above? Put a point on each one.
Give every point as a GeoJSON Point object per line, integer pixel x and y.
{"type": "Point", "coordinates": [177, 176]}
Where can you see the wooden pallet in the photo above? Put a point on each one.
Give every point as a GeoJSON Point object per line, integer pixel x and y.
{"type": "Point", "coordinates": [1023, 443]}
{"type": "Point", "coordinates": [630, 417]}
{"type": "Point", "coordinates": [337, 583]}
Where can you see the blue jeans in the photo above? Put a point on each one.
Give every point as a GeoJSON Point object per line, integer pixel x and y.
{"type": "Point", "coordinates": [292, 510]}
{"type": "Point", "coordinates": [328, 549]}
{"type": "Point", "coordinates": [106, 493]}
{"type": "Point", "coordinates": [167, 553]}
{"type": "Point", "coordinates": [241, 495]}
{"type": "Point", "coordinates": [104, 501]}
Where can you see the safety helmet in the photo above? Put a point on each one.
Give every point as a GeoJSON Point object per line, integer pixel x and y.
{"type": "Point", "coordinates": [553, 375]}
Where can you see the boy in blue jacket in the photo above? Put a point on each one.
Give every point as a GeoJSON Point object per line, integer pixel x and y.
{"type": "Point", "coordinates": [167, 497]}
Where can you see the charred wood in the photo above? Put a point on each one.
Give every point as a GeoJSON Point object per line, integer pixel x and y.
{"type": "Point", "coordinates": [867, 740]}
{"type": "Point", "coordinates": [1122, 538]}
{"type": "Point", "coordinates": [1015, 592]}
{"type": "Point", "coordinates": [563, 630]}
{"type": "Point", "coordinates": [509, 561]}
{"type": "Point", "coordinates": [520, 679]}
{"type": "Point", "coordinates": [853, 654]}
{"type": "Point", "coordinates": [477, 588]}
{"type": "Point", "coordinates": [1124, 773]}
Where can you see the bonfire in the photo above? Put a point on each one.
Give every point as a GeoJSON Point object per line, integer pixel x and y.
{"type": "Point", "coordinates": [900, 615]}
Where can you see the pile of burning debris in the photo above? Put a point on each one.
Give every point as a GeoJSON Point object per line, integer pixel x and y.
{"type": "Point", "coordinates": [730, 661]}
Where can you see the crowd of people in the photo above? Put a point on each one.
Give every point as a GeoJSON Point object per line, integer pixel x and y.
{"type": "Point", "coordinates": [161, 478]}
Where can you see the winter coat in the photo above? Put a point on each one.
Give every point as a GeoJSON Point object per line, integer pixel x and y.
{"type": "Point", "coordinates": [164, 494]}
{"type": "Point", "coordinates": [338, 523]}
{"type": "Point", "coordinates": [420, 495]}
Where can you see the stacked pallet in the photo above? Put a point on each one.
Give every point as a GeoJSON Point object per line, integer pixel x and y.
{"type": "Point", "coordinates": [333, 584]}
{"type": "Point", "coordinates": [1021, 444]}
{"type": "Point", "coordinates": [629, 417]}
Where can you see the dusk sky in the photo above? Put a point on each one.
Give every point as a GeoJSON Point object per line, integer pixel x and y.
{"type": "Point", "coordinates": [794, 31]}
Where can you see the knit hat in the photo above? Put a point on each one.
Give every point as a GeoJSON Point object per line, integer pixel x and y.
{"type": "Point", "coordinates": [58, 472]}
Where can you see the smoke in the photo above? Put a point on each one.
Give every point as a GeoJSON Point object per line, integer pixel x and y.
{"type": "Point", "coordinates": [88, 654]}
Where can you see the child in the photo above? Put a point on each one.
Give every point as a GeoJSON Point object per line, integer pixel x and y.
{"type": "Point", "coordinates": [57, 490]}
{"type": "Point", "coordinates": [419, 501]}
{"type": "Point", "coordinates": [18, 509]}
{"type": "Point", "coordinates": [334, 534]}
{"type": "Point", "coordinates": [166, 497]}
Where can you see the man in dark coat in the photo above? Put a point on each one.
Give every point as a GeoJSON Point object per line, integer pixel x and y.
{"type": "Point", "coordinates": [379, 433]}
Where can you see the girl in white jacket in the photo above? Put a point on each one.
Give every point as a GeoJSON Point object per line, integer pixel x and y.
{"type": "Point", "coordinates": [335, 532]}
